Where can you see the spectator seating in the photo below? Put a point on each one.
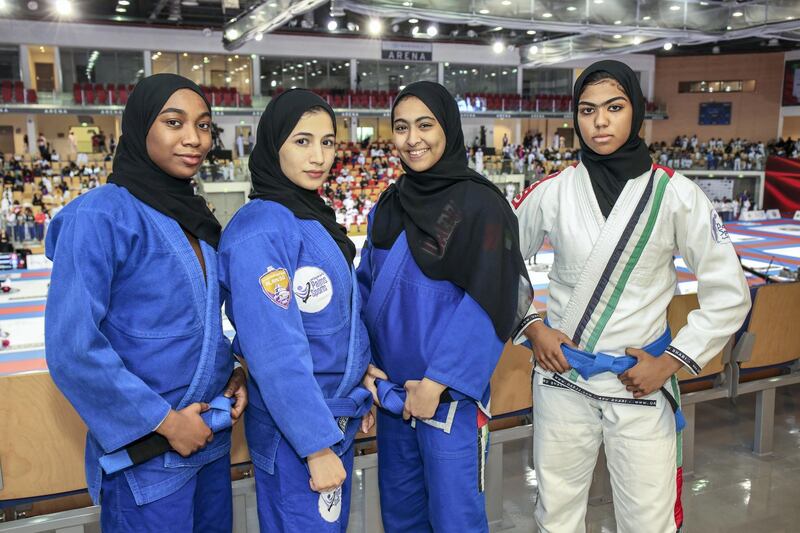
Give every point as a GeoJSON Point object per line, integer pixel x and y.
{"type": "Point", "coordinates": [14, 92]}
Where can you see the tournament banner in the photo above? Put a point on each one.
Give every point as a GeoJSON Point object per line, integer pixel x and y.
{"type": "Point", "coordinates": [396, 51]}
{"type": "Point", "coordinates": [782, 184]}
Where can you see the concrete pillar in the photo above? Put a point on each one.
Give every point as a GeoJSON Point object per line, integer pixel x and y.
{"type": "Point", "coordinates": [440, 73]}
{"type": "Point", "coordinates": [353, 126]}
{"type": "Point", "coordinates": [520, 80]}
{"type": "Point", "coordinates": [255, 75]}
{"type": "Point", "coordinates": [353, 74]}
{"type": "Point", "coordinates": [30, 125]}
{"type": "Point", "coordinates": [59, 75]}
{"type": "Point", "coordinates": [25, 66]}
{"type": "Point", "coordinates": [148, 63]}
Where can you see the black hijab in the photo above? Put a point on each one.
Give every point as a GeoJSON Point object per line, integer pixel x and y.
{"type": "Point", "coordinates": [270, 183]}
{"type": "Point", "coordinates": [609, 173]}
{"type": "Point", "coordinates": [134, 170]}
{"type": "Point", "coordinates": [458, 225]}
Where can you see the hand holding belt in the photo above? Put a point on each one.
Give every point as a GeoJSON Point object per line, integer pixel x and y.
{"type": "Point", "coordinates": [588, 364]}
{"type": "Point", "coordinates": [217, 418]}
{"type": "Point", "coordinates": [393, 396]}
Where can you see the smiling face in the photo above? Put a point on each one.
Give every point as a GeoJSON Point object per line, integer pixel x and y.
{"type": "Point", "coordinates": [605, 114]}
{"type": "Point", "coordinates": [307, 154]}
{"type": "Point", "coordinates": [180, 137]}
{"type": "Point", "coordinates": [417, 134]}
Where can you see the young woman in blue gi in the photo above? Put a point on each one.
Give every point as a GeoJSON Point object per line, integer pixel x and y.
{"type": "Point", "coordinates": [294, 302]}
{"type": "Point", "coordinates": [133, 326]}
{"type": "Point", "coordinates": [444, 286]}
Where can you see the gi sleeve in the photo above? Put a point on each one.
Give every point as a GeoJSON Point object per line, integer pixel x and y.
{"type": "Point", "coordinates": [272, 338]}
{"type": "Point", "coordinates": [468, 351]}
{"type": "Point", "coordinates": [722, 290]}
{"type": "Point", "coordinates": [528, 208]}
{"type": "Point", "coordinates": [87, 247]}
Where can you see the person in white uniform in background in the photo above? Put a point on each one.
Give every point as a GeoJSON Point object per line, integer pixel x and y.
{"type": "Point", "coordinates": [613, 221]}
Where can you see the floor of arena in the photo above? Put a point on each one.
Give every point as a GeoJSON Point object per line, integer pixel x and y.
{"type": "Point", "coordinates": [767, 246]}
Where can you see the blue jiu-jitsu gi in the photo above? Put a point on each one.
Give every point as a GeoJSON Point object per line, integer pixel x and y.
{"type": "Point", "coordinates": [132, 330]}
{"type": "Point", "coordinates": [293, 300]}
{"type": "Point", "coordinates": [430, 472]}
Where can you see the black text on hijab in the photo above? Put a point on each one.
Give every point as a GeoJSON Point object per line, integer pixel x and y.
{"type": "Point", "coordinates": [134, 170]}
{"type": "Point", "coordinates": [458, 225]}
{"type": "Point", "coordinates": [609, 173]}
{"type": "Point", "coordinates": [270, 183]}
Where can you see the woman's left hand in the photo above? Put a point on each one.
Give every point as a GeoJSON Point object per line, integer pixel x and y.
{"type": "Point", "coordinates": [422, 398]}
{"type": "Point", "coordinates": [367, 422]}
{"type": "Point", "coordinates": [237, 387]}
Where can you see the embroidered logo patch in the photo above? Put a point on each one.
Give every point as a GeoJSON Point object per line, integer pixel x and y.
{"type": "Point", "coordinates": [718, 230]}
{"type": "Point", "coordinates": [330, 505]}
{"type": "Point", "coordinates": [275, 284]}
{"type": "Point", "coordinates": [313, 289]}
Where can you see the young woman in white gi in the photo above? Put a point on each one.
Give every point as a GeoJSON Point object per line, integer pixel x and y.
{"type": "Point", "coordinates": [614, 221]}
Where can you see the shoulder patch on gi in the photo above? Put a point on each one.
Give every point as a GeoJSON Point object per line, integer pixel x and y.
{"type": "Point", "coordinates": [275, 284]}
{"type": "Point", "coordinates": [313, 289]}
{"type": "Point", "coordinates": [330, 505]}
{"type": "Point", "coordinates": [718, 230]}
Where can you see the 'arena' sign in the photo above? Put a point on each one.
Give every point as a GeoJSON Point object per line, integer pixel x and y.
{"type": "Point", "coordinates": [394, 51]}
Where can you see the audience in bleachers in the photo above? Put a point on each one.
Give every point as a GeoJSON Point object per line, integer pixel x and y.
{"type": "Point", "coordinates": [35, 189]}
{"type": "Point", "coordinates": [688, 153]}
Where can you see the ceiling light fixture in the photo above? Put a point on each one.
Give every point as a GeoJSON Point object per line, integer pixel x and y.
{"type": "Point", "coordinates": [432, 30]}
{"type": "Point", "coordinates": [498, 47]}
{"type": "Point", "coordinates": [737, 14]}
{"type": "Point", "coordinates": [546, 15]}
{"type": "Point", "coordinates": [531, 32]}
{"type": "Point", "coordinates": [375, 26]}
{"type": "Point", "coordinates": [64, 7]}
{"type": "Point", "coordinates": [667, 46]}
{"type": "Point", "coordinates": [332, 25]}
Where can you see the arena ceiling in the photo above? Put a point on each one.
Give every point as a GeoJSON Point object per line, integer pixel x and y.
{"type": "Point", "coordinates": [543, 31]}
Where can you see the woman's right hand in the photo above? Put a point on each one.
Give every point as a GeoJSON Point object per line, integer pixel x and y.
{"type": "Point", "coordinates": [186, 430]}
{"type": "Point", "coordinates": [327, 471]}
{"type": "Point", "coordinates": [373, 373]}
{"type": "Point", "coordinates": [546, 344]}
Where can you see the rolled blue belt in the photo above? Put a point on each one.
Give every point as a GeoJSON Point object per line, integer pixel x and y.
{"type": "Point", "coordinates": [393, 396]}
{"type": "Point", "coordinates": [589, 364]}
{"type": "Point", "coordinates": [348, 411]}
{"type": "Point", "coordinates": [217, 418]}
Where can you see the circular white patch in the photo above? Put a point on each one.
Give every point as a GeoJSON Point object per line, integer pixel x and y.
{"type": "Point", "coordinates": [312, 288]}
{"type": "Point", "coordinates": [330, 505]}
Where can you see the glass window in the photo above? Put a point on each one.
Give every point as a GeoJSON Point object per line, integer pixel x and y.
{"type": "Point", "coordinates": [215, 70]}
{"type": "Point", "coordinates": [327, 74]}
{"type": "Point", "coordinates": [546, 81]}
{"type": "Point", "coordinates": [392, 75]}
{"type": "Point", "coordinates": [9, 63]}
{"type": "Point", "coordinates": [729, 86]}
{"type": "Point", "coordinates": [461, 78]}
{"type": "Point", "coordinates": [100, 66]}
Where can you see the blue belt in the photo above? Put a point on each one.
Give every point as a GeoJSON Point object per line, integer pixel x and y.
{"type": "Point", "coordinates": [217, 418]}
{"type": "Point", "coordinates": [588, 364]}
{"type": "Point", "coordinates": [393, 396]}
{"type": "Point", "coordinates": [348, 410]}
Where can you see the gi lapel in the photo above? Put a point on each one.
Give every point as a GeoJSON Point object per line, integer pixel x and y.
{"type": "Point", "coordinates": [205, 297]}
{"type": "Point", "coordinates": [613, 258]}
